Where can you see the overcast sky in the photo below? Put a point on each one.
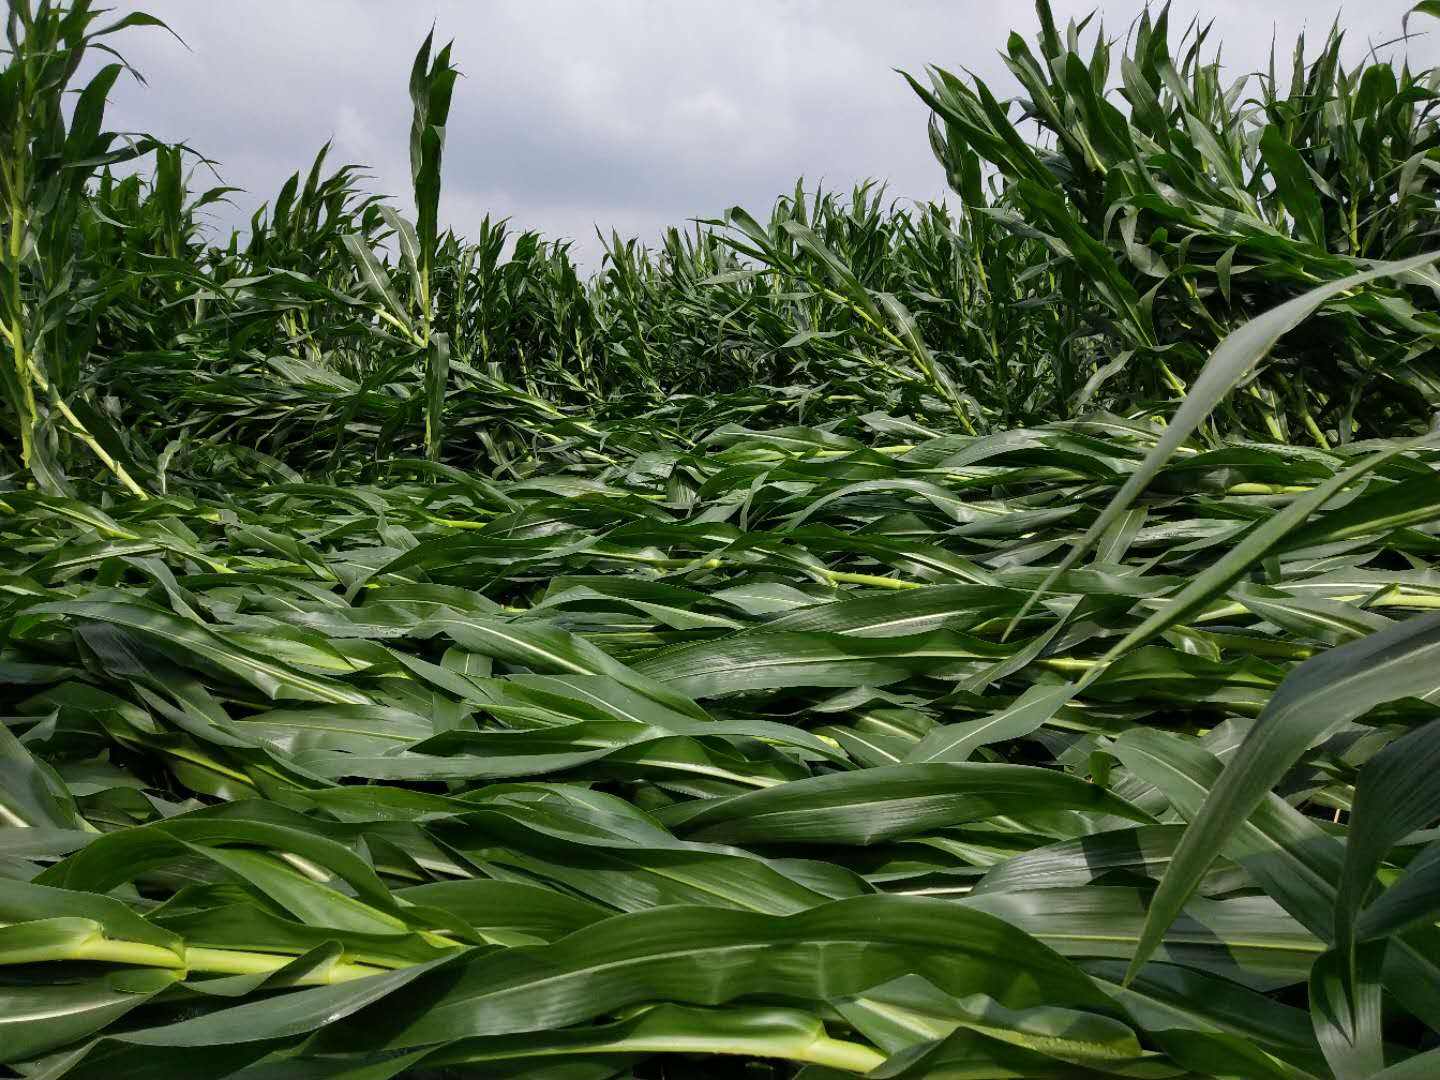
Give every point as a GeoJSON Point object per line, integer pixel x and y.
{"type": "Point", "coordinates": [627, 114]}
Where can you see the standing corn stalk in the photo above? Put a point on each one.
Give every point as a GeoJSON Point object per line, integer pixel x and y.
{"type": "Point", "coordinates": [431, 85]}
{"type": "Point", "coordinates": [43, 172]}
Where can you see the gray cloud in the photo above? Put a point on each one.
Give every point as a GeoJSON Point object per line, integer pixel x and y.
{"type": "Point", "coordinates": [627, 114]}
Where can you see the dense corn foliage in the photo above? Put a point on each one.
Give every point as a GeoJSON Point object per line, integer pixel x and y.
{"type": "Point", "coordinates": [989, 640]}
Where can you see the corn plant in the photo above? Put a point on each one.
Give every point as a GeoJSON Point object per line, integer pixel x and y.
{"type": "Point", "coordinates": [990, 640]}
{"type": "Point", "coordinates": [43, 174]}
{"type": "Point", "coordinates": [1205, 203]}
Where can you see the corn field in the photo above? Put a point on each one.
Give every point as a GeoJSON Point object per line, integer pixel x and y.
{"type": "Point", "coordinates": [989, 639]}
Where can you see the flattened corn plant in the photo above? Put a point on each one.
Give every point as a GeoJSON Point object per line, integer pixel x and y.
{"type": "Point", "coordinates": [875, 641]}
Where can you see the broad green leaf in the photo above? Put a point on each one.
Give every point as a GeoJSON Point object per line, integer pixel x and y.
{"type": "Point", "coordinates": [1322, 694]}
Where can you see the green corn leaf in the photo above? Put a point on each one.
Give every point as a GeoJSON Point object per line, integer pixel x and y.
{"type": "Point", "coordinates": [1316, 699]}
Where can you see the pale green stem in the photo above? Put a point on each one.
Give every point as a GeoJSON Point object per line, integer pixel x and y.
{"type": "Point", "coordinates": [837, 576]}
{"type": "Point", "coordinates": [101, 949]}
{"type": "Point", "coordinates": [1066, 664]}
{"type": "Point", "coordinates": [1313, 428]}
{"type": "Point", "coordinates": [822, 1050]}
{"type": "Point", "coordinates": [1175, 382]}
{"type": "Point", "coordinates": [1266, 489]}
